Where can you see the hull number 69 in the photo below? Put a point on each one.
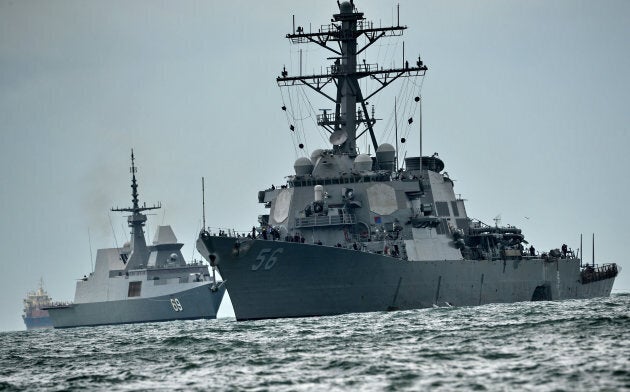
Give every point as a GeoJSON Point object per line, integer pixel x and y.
{"type": "Point", "coordinates": [177, 306]}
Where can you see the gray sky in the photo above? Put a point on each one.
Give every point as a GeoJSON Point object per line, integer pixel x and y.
{"type": "Point", "coordinates": [524, 101]}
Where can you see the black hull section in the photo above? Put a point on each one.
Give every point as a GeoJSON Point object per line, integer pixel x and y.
{"type": "Point", "coordinates": [37, 322]}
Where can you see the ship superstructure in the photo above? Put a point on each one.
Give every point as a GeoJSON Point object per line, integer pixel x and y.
{"type": "Point", "coordinates": [34, 316]}
{"type": "Point", "coordinates": [351, 232]}
{"type": "Point", "coordinates": [140, 282]}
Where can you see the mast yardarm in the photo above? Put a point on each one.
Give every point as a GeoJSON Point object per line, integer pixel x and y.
{"type": "Point", "coordinates": [136, 220]}
{"type": "Point", "coordinates": [347, 26]}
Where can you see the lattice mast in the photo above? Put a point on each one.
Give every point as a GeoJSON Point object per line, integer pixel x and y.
{"type": "Point", "coordinates": [136, 221]}
{"type": "Point", "coordinates": [346, 27]}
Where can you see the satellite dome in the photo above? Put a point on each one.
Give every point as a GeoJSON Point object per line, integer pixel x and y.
{"type": "Point", "coordinates": [363, 162]}
{"type": "Point", "coordinates": [385, 147]}
{"type": "Point", "coordinates": [385, 156]}
{"type": "Point", "coordinates": [303, 166]}
{"type": "Point", "coordinates": [345, 7]}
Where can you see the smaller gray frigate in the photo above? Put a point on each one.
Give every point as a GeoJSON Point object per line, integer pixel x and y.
{"type": "Point", "coordinates": [141, 283]}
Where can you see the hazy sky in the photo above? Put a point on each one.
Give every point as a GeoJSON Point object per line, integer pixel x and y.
{"type": "Point", "coordinates": [525, 101]}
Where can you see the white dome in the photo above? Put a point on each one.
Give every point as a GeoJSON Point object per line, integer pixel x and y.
{"type": "Point", "coordinates": [385, 147]}
{"type": "Point", "coordinates": [363, 162]}
{"type": "Point", "coordinates": [385, 156]}
{"type": "Point", "coordinates": [303, 166]}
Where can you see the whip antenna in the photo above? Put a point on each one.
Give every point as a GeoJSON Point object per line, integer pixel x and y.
{"type": "Point", "coordinates": [203, 203]}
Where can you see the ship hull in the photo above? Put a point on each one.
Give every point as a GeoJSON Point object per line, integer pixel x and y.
{"type": "Point", "coordinates": [196, 303]}
{"type": "Point", "coordinates": [273, 279]}
{"type": "Point", "coordinates": [37, 322]}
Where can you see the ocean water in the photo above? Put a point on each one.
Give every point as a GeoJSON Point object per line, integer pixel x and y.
{"type": "Point", "coordinates": [543, 346]}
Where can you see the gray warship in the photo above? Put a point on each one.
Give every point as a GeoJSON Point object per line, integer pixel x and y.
{"type": "Point", "coordinates": [350, 232]}
{"type": "Point", "coordinates": [141, 283]}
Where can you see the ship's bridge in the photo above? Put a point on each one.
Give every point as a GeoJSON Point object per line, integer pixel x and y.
{"type": "Point", "coordinates": [348, 178]}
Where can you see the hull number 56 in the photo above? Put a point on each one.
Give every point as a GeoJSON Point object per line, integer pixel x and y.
{"type": "Point", "coordinates": [266, 259]}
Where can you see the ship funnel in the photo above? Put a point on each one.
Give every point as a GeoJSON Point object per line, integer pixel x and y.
{"type": "Point", "coordinates": [385, 156]}
{"type": "Point", "coordinates": [413, 163]}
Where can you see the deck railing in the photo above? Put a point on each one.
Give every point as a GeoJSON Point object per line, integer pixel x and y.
{"type": "Point", "coordinates": [332, 220]}
{"type": "Point", "coordinates": [593, 274]}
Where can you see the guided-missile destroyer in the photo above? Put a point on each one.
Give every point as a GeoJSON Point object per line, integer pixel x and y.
{"type": "Point", "coordinates": [141, 283]}
{"type": "Point", "coordinates": [351, 232]}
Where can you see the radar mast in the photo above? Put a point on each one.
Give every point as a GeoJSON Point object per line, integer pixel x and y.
{"type": "Point", "coordinates": [345, 28]}
{"type": "Point", "coordinates": [136, 221]}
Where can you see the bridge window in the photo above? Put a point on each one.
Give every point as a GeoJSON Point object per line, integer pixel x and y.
{"type": "Point", "coordinates": [134, 289]}
{"type": "Point", "coordinates": [442, 208]}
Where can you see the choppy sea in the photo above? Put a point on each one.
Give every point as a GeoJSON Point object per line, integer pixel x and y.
{"type": "Point", "coordinates": [542, 346]}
